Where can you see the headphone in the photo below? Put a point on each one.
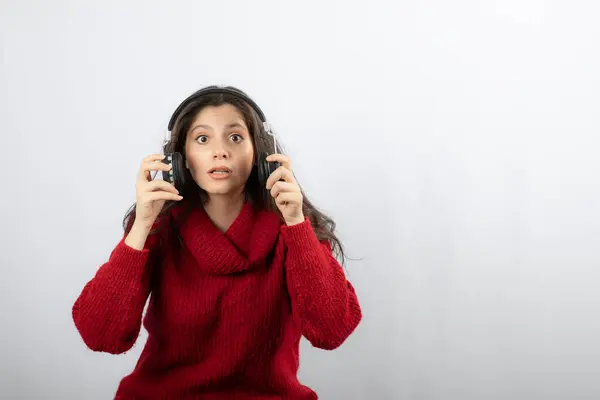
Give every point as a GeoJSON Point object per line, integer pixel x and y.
{"type": "Point", "coordinates": [176, 175]}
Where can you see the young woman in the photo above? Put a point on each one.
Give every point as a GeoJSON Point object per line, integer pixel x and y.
{"type": "Point", "coordinates": [237, 269]}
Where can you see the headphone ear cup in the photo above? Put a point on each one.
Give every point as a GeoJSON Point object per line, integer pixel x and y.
{"type": "Point", "coordinates": [176, 175]}
{"type": "Point", "coordinates": [178, 171]}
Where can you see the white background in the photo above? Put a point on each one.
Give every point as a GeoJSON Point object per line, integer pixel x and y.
{"type": "Point", "coordinates": [455, 143]}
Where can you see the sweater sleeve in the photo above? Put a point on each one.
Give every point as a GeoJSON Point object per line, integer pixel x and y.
{"type": "Point", "coordinates": [108, 312]}
{"type": "Point", "coordinates": [326, 302]}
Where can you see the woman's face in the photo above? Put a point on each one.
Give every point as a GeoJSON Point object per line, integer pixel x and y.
{"type": "Point", "coordinates": [219, 151]}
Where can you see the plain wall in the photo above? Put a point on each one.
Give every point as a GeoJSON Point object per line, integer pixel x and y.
{"type": "Point", "coordinates": [455, 143]}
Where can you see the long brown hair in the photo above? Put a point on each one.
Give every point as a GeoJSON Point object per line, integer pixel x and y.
{"type": "Point", "coordinates": [194, 196]}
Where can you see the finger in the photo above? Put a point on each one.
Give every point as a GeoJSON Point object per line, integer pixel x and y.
{"type": "Point", "coordinates": [281, 173]}
{"type": "Point", "coordinates": [284, 160]}
{"type": "Point", "coordinates": [283, 187]}
{"type": "Point", "coordinates": [161, 195]}
{"type": "Point", "coordinates": [148, 166]}
{"type": "Point", "coordinates": [156, 166]}
{"type": "Point", "coordinates": [153, 157]}
{"type": "Point", "coordinates": [161, 185]}
{"type": "Point", "coordinates": [288, 198]}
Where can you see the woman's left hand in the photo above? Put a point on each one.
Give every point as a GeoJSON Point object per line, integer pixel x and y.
{"type": "Point", "coordinates": [285, 190]}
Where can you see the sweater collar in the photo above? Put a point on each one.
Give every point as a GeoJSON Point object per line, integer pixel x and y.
{"type": "Point", "coordinates": [245, 245]}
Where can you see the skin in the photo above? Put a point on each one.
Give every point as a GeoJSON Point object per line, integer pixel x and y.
{"type": "Point", "coordinates": [218, 136]}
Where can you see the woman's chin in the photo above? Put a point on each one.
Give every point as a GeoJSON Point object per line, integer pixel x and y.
{"type": "Point", "coordinates": [222, 189]}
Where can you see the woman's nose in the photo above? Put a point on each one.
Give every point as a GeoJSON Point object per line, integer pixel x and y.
{"type": "Point", "coordinates": [220, 154]}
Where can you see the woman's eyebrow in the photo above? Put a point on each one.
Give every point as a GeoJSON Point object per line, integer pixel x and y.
{"type": "Point", "coordinates": [228, 126]}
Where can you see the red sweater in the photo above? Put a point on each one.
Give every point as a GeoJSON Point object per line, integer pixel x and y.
{"type": "Point", "coordinates": [224, 320]}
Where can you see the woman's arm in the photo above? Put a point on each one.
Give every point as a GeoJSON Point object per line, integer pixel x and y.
{"type": "Point", "coordinates": [324, 299]}
{"type": "Point", "coordinates": [108, 312]}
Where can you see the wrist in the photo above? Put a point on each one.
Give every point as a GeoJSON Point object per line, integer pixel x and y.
{"type": "Point", "coordinates": [295, 221]}
{"type": "Point", "coordinates": [141, 226]}
{"type": "Point", "coordinates": [136, 238]}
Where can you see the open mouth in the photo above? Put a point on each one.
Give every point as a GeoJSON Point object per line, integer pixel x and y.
{"type": "Point", "coordinates": [219, 171]}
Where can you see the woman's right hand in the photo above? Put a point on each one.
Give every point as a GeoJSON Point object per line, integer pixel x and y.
{"type": "Point", "coordinates": [152, 194]}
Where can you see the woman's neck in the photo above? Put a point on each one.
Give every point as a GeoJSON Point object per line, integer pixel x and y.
{"type": "Point", "coordinates": [223, 210]}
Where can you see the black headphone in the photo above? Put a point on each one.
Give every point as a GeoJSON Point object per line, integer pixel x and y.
{"type": "Point", "coordinates": [176, 175]}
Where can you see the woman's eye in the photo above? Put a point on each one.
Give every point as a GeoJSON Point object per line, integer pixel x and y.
{"type": "Point", "coordinates": [236, 138]}
{"type": "Point", "coordinates": [202, 139]}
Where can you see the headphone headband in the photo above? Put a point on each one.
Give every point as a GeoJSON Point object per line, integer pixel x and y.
{"type": "Point", "coordinates": [217, 90]}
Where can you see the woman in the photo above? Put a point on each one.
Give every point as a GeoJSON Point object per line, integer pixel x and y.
{"type": "Point", "coordinates": [237, 269]}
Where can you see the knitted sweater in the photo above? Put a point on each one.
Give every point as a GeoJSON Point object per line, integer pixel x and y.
{"type": "Point", "coordinates": [226, 312]}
